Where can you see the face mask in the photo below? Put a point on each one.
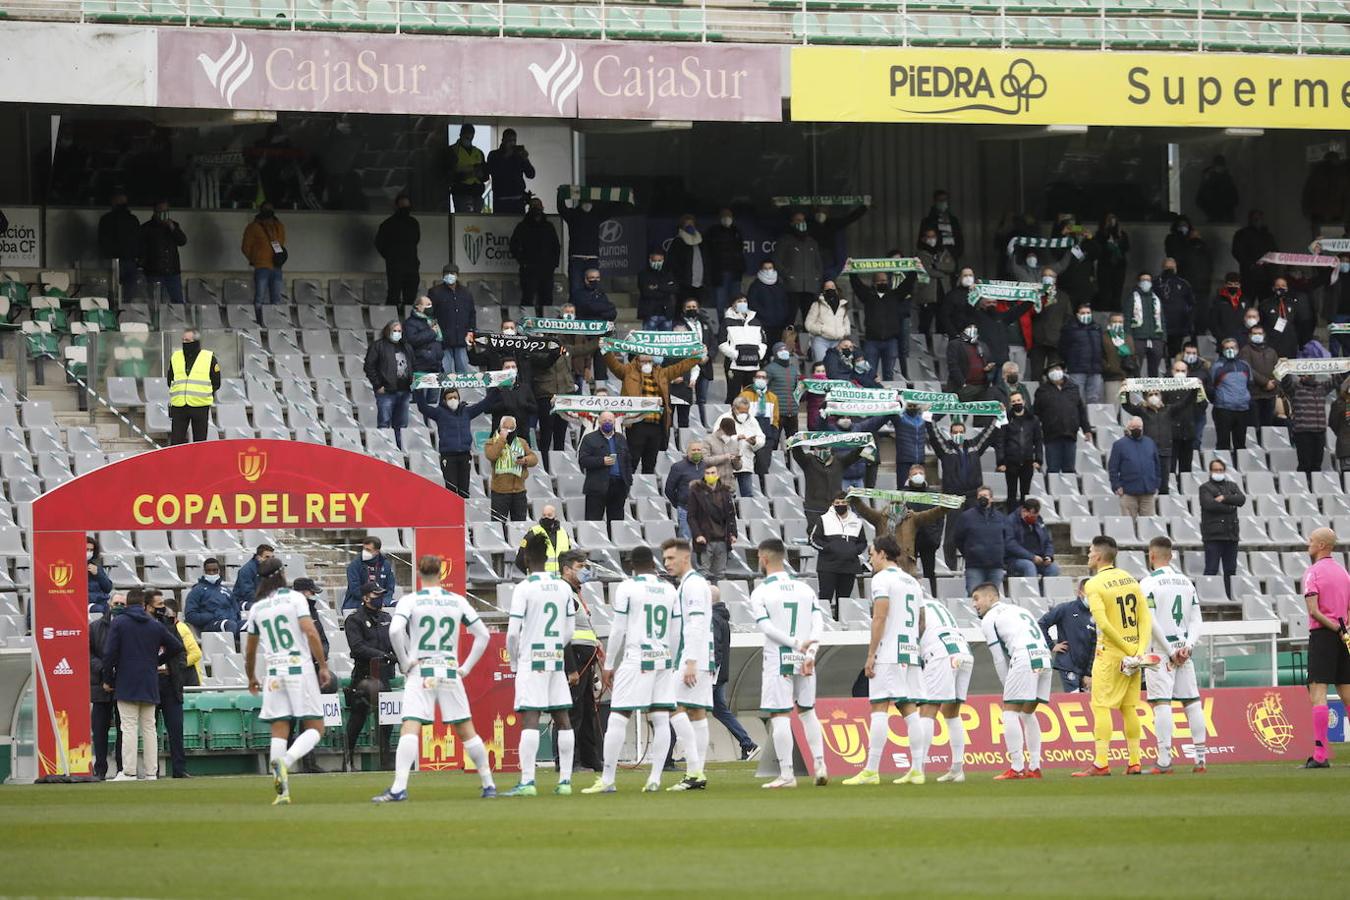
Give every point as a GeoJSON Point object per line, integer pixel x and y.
{"type": "Point", "coordinates": [726, 221]}
{"type": "Point", "coordinates": [1031, 262]}
{"type": "Point", "coordinates": [646, 368]}
{"type": "Point", "coordinates": [1183, 229]}
{"type": "Point", "coordinates": [452, 405]}
{"type": "Point", "coordinates": [510, 370]}
{"type": "Point", "coordinates": [845, 424]}
{"type": "Point", "coordinates": [768, 276]}
{"type": "Point", "coordinates": [451, 278]}
{"type": "Point", "coordinates": [1229, 353]}
{"type": "Point", "coordinates": [861, 366]}
{"type": "Point", "coordinates": [1251, 323]}
{"type": "Point", "coordinates": [918, 480]}
{"type": "Point", "coordinates": [656, 264]}
{"type": "Point", "coordinates": [1345, 267]}
{"type": "Point", "coordinates": [1258, 339]}
{"type": "Point", "coordinates": [799, 226]}
{"type": "Point", "coordinates": [1190, 358]}
{"type": "Point", "coordinates": [1155, 402]}
{"type": "Point", "coordinates": [696, 457]}
{"type": "Point", "coordinates": [1030, 518]}
{"type": "Point", "coordinates": [1085, 318]}
{"type": "Point", "coordinates": [1116, 327]}
{"type": "Point", "coordinates": [783, 355]}
{"type": "Point", "coordinates": [1178, 373]}
{"type": "Point", "coordinates": [424, 311]}
{"type": "Point", "coordinates": [548, 522]}
{"type": "Point", "coordinates": [396, 336]}
{"type": "Point", "coordinates": [690, 229]}
{"type": "Point", "coordinates": [1135, 433]}
{"type": "Point", "coordinates": [971, 334]}
{"type": "Point", "coordinates": [742, 307]}
{"type": "Point", "coordinates": [569, 316]}
{"type": "Point", "coordinates": [162, 215]}
{"type": "Point", "coordinates": [691, 312]}
{"type": "Point", "coordinates": [982, 502]}
{"type": "Point", "coordinates": [1056, 375]}
{"type": "Point", "coordinates": [742, 417]}
{"type": "Point", "coordinates": [967, 281]}
{"type": "Point", "coordinates": [959, 438]}
{"type": "Point", "coordinates": [1218, 476]}
{"type": "Point", "coordinates": [846, 352]}
{"type": "Point", "coordinates": [710, 480]}
{"type": "Point", "coordinates": [161, 614]}
{"type": "Point", "coordinates": [1280, 292]}
{"type": "Point", "coordinates": [930, 242]}
{"type": "Point", "coordinates": [587, 207]}
{"type": "Point", "coordinates": [1047, 280]}
{"type": "Point", "coordinates": [212, 579]}
{"type": "Point", "coordinates": [1145, 286]}
{"type": "Point", "coordinates": [832, 294]}
{"type": "Point", "coordinates": [1018, 409]}
{"type": "Point", "coordinates": [840, 511]}
{"type": "Point", "coordinates": [89, 554]}
{"type": "Point", "coordinates": [607, 427]}
{"type": "Point", "coordinates": [940, 206]}
{"type": "Point", "coordinates": [592, 282]}
{"type": "Point", "coordinates": [367, 556]}
{"type": "Point", "coordinates": [118, 610]}
{"type": "Point", "coordinates": [585, 575]}
{"type": "Point", "coordinates": [761, 384]}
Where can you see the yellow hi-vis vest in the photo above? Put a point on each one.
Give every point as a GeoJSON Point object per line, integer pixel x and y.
{"type": "Point", "coordinates": [554, 550]}
{"type": "Point", "coordinates": [191, 388]}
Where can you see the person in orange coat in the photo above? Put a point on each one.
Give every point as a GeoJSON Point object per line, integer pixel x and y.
{"type": "Point", "coordinates": [264, 246]}
{"type": "Point", "coordinates": [641, 377]}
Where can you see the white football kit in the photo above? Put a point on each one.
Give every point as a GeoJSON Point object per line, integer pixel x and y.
{"type": "Point", "coordinates": [542, 621]}
{"type": "Point", "coordinates": [1020, 655]}
{"type": "Point", "coordinates": [696, 642]}
{"type": "Point", "coordinates": [1176, 625]}
{"type": "Point", "coordinates": [290, 684]}
{"type": "Point", "coordinates": [788, 613]}
{"type": "Point", "coordinates": [898, 676]}
{"type": "Point", "coordinates": [642, 644]}
{"type": "Point", "coordinates": [947, 660]}
{"type": "Point", "coordinates": [432, 619]}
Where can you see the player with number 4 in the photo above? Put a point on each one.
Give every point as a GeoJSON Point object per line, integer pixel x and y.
{"type": "Point", "coordinates": [1176, 630]}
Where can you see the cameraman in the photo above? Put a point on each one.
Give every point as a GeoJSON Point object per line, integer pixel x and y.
{"type": "Point", "coordinates": [508, 166]}
{"type": "Point", "coordinates": [373, 666]}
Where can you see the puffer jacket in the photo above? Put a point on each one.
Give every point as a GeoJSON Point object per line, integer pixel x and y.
{"type": "Point", "coordinates": [833, 325]}
{"type": "Point", "coordinates": [1080, 346]}
{"type": "Point", "coordinates": [1308, 400]}
{"type": "Point", "coordinates": [798, 260]}
{"type": "Point", "coordinates": [783, 378]}
{"type": "Point", "coordinates": [1219, 521]}
{"type": "Point", "coordinates": [1019, 442]}
{"type": "Point", "coordinates": [423, 337]}
{"type": "Point", "coordinates": [941, 269]}
{"type": "Point", "coordinates": [208, 605]}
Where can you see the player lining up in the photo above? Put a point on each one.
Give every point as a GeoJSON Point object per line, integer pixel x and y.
{"type": "Point", "coordinates": [947, 666]}
{"type": "Point", "coordinates": [1176, 631]}
{"type": "Point", "coordinates": [542, 622]}
{"type": "Point", "coordinates": [696, 669]}
{"type": "Point", "coordinates": [787, 612]}
{"type": "Point", "coordinates": [279, 620]}
{"type": "Point", "coordinates": [1023, 665]}
{"type": "Point", "coordinates": [425, 635]}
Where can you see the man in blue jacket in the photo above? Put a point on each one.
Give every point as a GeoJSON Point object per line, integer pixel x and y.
{"type": "Point", "coordinates": [1080, 343]}
{"type": "Point", "coordinates": [371, 567]}
{"type": "Point", "coordinates": [1134, 471]}
{"type": "Point", "coordinates": [1075, 645]}
{"type": "Point", "coordinates": [131, 661]}
{"type": "Point", "coordinates": [455, 313]}
{"type": "Point", "coordinates": [210, 606]}
{"type": "Point", "coordinates": [981, 535]}
{"type": "Point", "coordinates": [686, 470]}
{"type": "Point", "coordinates": [911, 438]}
{"type": "Point", "coordinates": [1031, 551]}
{"type": "Point", "coordinates": [454, 435]}
{"type": "Point", "coordinates": [246, 581]}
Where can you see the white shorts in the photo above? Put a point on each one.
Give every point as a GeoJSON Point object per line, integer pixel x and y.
{"type": "Point", "coordinates": [697, 697]}
{"type": "Point", "coordinates": [424, 691]}
{"type": "Point", "coordinates": [1026, 685]}
{"type": "Point", "coordinates": [944, 684]}
{"type": "Point", "coordinates": [1172, 683]}
{"type": "Point", "coordinates": [779, 693]}
{"type": "Point", "coordinates": [636, 690]}
{"type": "Point", "coordinates": [896, 682]}
{"type": "Point", "coordinates": [291, 696]}
{"type": "Point", "coordinates": [542, 691]}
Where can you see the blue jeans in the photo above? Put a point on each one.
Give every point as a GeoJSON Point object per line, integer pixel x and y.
{"type": "Point", "coordinates": [726, 288]}
{"type": "Point", "coordinates": [169, 285]}
{"type": "Point", "coordinates": [656, 323]}
{"type": "Point", "coordinates": [1025, 568]}
{"type": "Point", "coordinates": [882, 356]}
{"type": "Point", "coordinates": [853, 483]}
{"type": "Point", "coordinates": [266, 286]}
{"type": "Point", "coordinates": [1090, 386]}
{"type": "Point", "coordinates": [1060, 453]}
{"type": "Point", "coordinates": [391, 411]}
{"type": "Point", "coordinates": [682, 523]}
{"type": "Point", "coordinates": [456, 359]}
{"type": "Point", "coordinates": [745, 484]}
{"type": "Point", "coordinates": [722, 713]}
{"type": "Point", "coordinates": [976, 576]}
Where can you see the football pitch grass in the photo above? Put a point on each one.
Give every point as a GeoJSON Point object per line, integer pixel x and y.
{"type": "Point", "coordinates": [1241, 830]}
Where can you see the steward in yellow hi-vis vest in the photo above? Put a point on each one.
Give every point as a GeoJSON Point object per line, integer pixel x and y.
{"type": "Point", "coordinates": [194, 378]}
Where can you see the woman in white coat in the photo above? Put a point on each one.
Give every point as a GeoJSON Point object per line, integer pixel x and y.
{"type": "Point", "coordinates": [827, 321]}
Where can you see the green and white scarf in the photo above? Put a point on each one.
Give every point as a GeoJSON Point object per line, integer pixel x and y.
{"type": "Point", "coordinates": [587, 327]}
{"type": "Point", "coordinates": [1038, 295]}
{"type": "Point", "coordinates": [819, 386]}
{"type": "Point", "coordinates": [975, 408]}
{"type": "Point", "coordinates": [1331, 245]}
{"type": "Point", "coordinates": [897, 264]}
{"type": "Point", "coordinates": [1334, 366]}
{"type": "Point", "coordinates": [926, 398]}
{"type": "Point", "coordinates": [831, 439]}
{"type": "Point", "coordinates": [668, 344]}
{"type": "Point", "coordinates": [577, 404]}
{"type": "Point", "coordinates": [1339, 328]}
{"type": "Point", "coordinates": [459, 380]}
{"type": "Point", "coordinates": [823, 200]}
{"type": "Point", "coordinates": [1146, 385]}
{"type": "Point", "coordinates": [582, 193]}
{"type": "Point", "coordinates": [1055, 243]}
{"type": "Point", "coordinates": [866, 408]}
{"type": "Point", "coordinates": [928, 498]}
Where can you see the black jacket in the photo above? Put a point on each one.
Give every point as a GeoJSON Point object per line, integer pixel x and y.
{"type": "Point", "coordinates": [884, 311]}
{"type": "Point", "coordinates": [721, 632]}
{"type": "Point", "coordinates": [177, 672]}
{"type": "Point", "coordinates": [534, 244]}
{"type": "Point", "coordinates": [993, 327]}
{"type": "Point", "coordinates": [397, 239]}
{"type": "Point", "coordinates": [1300, 321]}
{"type": "Point", "coordinates": [657, 293]}
{"type": "Point", "coordinates": [368, 637]}
{"type": "Point", "coordinates": [680, 262]}
{"type": "Point", "coordinates": [1160, 424]}
{"type": "Point", "coordinates": [454, 312]}
{"type": "Point", "coordinates": [119, 234]}
{"type": "Point", "coordinates": [159, 247]}
{"type": "Point", "coordinates": [959, 465]}
{"type": "Point", "coordinates": [1225, 319]}
{"type": "Point", "coordinates": [823, 478]}
{"type": "Point", "coordinates": [1219, 521]}
{"type": "Point", "coordinates": [1183, 415]}
{"type": "Point", "coordinates": [724, 250]}
{"type": "Point", "coordinates": [838, 552]}
{"type": "Point", "coordinates": [382, 366]}
{"type": "Point", "coordinates": [421, 338]}
{"type": "Point", "coordinates": [1060, 409]}
{"type": "Point", "coordinates": [98, 639]}
{"type": "Point", "coordinates": [591, 457]}
{"type": "Point", "coordinates": [1019, 441]}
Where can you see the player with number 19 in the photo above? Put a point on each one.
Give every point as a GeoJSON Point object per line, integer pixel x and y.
{"type": "Point", "coordinates": [1022, 661]}
{"type": "Point", "coordinates": [1176, 630]}
{"type": "Point", "coordinates": [425, 634]}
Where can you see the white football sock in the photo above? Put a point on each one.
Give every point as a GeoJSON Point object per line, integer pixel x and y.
{"type": "Point", "coordinates": [477, 752]}
{"type": "Point", "coordinates": [278, 751]}
{"type": "Point", "coordinates": [529, 754]}
{"type": "Point", "coordinates": [1031, 729]}
{"type": "Point", "coordinates": [701, 739]}
{"type": "Point", "coordinates": [956, 738]}
{"type": "Point", "coordinates": [1012, 738]}
{"type": "Point", "coordinates": [615, 734]}
{"type": "Point", "coordinates": [567, 741]}
{"type": "Point", "coordinates": [1163, 725]}
{"type": "Point", "coordinates": [404, 757]}
{"type": "Point", "coordinates": [877, 733]}
{"type": "Point", "coordinates": [917, 750]}
{"type": "Point", "coordinates": [1195, 718]}
{"type": "Point", "coordinates": [815, 740]}
{"type": "Point", "coordinates": [684, 730]}
{"type": "Point", "coordinates": [307, 741]}
{"type": "Point", "coordinates": [782, 744]}
{"type": "Point", "coordinates": [660, 747]}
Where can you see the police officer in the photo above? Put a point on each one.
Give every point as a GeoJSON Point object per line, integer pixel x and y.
{"type": "Point", "coordinates": [194, 378]}
{"type": "Point", "coordinates": [582, 662]}
{"type": "Point", "coordinates": [555, 537]}
{"type": "Point", "coordinates": [373, 667]}
{"type": "Point", "coordinates": [1077, 641]}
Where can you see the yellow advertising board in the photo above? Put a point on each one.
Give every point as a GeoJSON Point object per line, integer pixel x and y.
{"type": "Point", "coordinates": [1069, 87]}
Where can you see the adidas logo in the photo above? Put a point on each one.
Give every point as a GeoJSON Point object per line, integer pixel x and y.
{"type": "Point", "coordinates": [63, 668]}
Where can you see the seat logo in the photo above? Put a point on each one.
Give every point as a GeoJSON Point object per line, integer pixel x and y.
{"type": "Point", "coordinates": [252, 464]}
{"type": "Point", "coordinates": [228, 72]}
{"type": "Point", "coordinates": [60, 573]}
{"type": "Point", "coordinates": [560, 80]}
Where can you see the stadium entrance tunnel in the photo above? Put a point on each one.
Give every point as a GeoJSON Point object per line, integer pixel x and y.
{"type": "Point", "coordinates": [231, 484]}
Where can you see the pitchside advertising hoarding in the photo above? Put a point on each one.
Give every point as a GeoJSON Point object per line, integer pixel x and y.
{"type": "Point", "coordinates": [1243, 725]}
{"type": "Point", "coordinates": [1066, 87]}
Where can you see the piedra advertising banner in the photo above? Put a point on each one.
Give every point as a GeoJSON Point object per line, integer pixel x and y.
{"type": "Point", "coordinates": [1244, 725]}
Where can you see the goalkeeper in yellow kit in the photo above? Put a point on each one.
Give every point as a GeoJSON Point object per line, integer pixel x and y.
{"type": "Point", "coordinates": [1124, 625]}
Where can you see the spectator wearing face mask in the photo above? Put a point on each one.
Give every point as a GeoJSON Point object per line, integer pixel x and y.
{"type": "Point", "coordinates": [422, 334]}
{"type": "Point", "coordinates": [958, 457]}
{"type": "Point", "coordinates": [1230, 310]}
{"type": "Point", "coordinates": [684, 472]}
{"type": "Point", "coordinates": [724, 251]}
{"type": "Point", "coordinates": [993, 325]}
{"type": "Point", "coordinates": [765, 407]}
{"type": "Point", "coordinates": [1188, 248]}
{"type": "Point", "coordinates": [160, 239]}
{"type": "Point", "coordinates": [940, 266]}
{"type": "Point", "coordinates": [100, 585]}
{"type": "Point", "coordinates": [370, 567]}
{"type": "Point", "coordinates": [591, 301]}
{"type": "Point", "coordinates": [1335, 298]}
{"type": "Point", "coordinates": [968, 365]}
{"type": "Point", "coordinates": [1159, 414]}
{"type": "Point", "coordinates": [583, 238]}
{"type": "Point", "coordinates": [1120, 356]}
{"type": "Point", "coordinates": [374, 665]}
{"type": "Point", "coordinates": [1009, 385]}
{"type": "Point", "coordinates": [951, 315]}
{"type": "Point", "coordinates": [688, 263]}
{"type": "Point", "coordinates": [396, 241]}
{"type": "Point", "coordinates": [264, 246]}
{"type": "Point", "coordinates": [916, 527]}
{"type": "Point", "coordinates": [641, 377]}
{"type": "Point", "coordinates": [1180, 309]}
{"type": "Point", "coordinates": [827, 321]}
{"type": "Point", "coordinates": [1047, 326]}
{"type": "Point", "coordinates": [246, 579]}
{"type": "Point", "coordinates": [1060, 409]}
{"type": "Point", "coordinates": [743, 345]}
{"type": "Point", "coordinates": [784, 371]}
{"type": "Point", "coordinates": [1288, 319]}
{"type": "Point", "coordinates": [1250, 243]}
{"type": "Point", "coordinates": [838, 537]}
{"type": "Point", "coordinates": [455, 313]}
{"type": "Point", "coordinates": [507, 167]}
{"type": "Point", "coordinates": [1220, 499]}
{"type": "Point", "coordinates": [657, 291]}
{"type": "Point", "coordinates": [982, 537]}
{"type": "Point", "coordinates": [605, 459]}
{"type": "Point", "coordinates": [511, 459]}
{"type": "Point", "coordinates": [696, 320]}
{"type": "Point", "coordinates": [1147, 330]}
{"type": "Point", "coordinates": [1135, 470]}
{"type": "Point", "coordinates": [1198, 368]}
{"type": "Point", "coordinates": [1186, 408]}
{"type": "Point", "coordinates": [768, 298]}
{"type": "Point", "coordinates": [1031, 551]}
{"type": "Point", "coordinates": [1229, 390]}
{"type": "Point", "coordinates": [712, 522]}
{"type": "Point", "coordinates": [454, 436]}
{"type": "Point", "coordinates": [1339, 422]}
{"type": "Point", "coordinates": [801, 267]}
{"type": "Point", "coordinates": [1262, 358]}
{"type": "Point", "coordinates": [1307, 396]}
{"type": "Point", "coordinates": [941, 220]}
{"type": "Point", "coordinates": [176, 671]}
{"type": "Point", "coordinates": [1112, 244]}
{"type": "Point", "coordinates": [823, 476]}
{"type": "Point", "coordinates": [828, 230]}
{"type": "Point", "coordinates": [1074, 645]}
{"type": "Point", "coordinates": [555, 538]}
{"type": "Point", "coordinates": [549, 381]}
{"type": "Point", "coordinates": [1019, 450]}
{"type": "Point", "coordinates": [815, 402]}
{"type": "Point", "coordinates": [389, 369]}
{"type": "Point", "coordinates": [1082, 343]}
{"type": "Point", "coordinates": [862, 471]}
{"type": "Point", "coordinates": [580, 350]}
{"type": "Point", "coordinates": [887, 309]}
{"type": "Point", "coordinates": [535, 247]}
{"type": "Point", "coordinates": [737, 433]}
{"type": "Point", "coordinates": [515, 399]}
{"type": "Point", "coordinates": [209, 605]}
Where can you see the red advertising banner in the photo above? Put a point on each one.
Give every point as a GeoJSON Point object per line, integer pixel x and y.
{"type": "Point", "coordinates": [61, 652]}
{"type": "Point", "coordinates": [448, 544]}
{"type": "Point", "coordinates": [492, 693]}
{"type": "Point", "coordinates": [1244, 725]}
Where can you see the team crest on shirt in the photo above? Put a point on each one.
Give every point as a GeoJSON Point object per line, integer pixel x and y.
{"type": "Point", "coordinates": [1269, 724]}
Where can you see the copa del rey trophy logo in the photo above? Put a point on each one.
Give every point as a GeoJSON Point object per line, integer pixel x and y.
{"type": "Point", "coordinates": [60, 573]}
{"type": "Point", "coordinates": [252, 464]}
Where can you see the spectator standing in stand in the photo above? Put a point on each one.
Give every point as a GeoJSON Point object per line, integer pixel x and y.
{"type": "Point", "coordinates": [724, 251]}
{"type": "Point", "coordinates": [687, 262]}
{"type": "Point", "coordinates": [1019, 450]}
{"type": "Point", "coordinates": [1262, 359]}
{"type": "Point", "coordinates": [712, 523]}
{"type": "Point", "coordinates": [1220, 500]}
{"type": "Point", "coordinates": [507, 168]}
{"type": "Point", "coordinates": [454, 436]}
{"type": "Point", "coordinates": [511, 460]}
{"type": "Point", "coordinates": [838, 536]}
{"type": "Point", "coordinates": [1136, 471]}
{"type": "Point", "coordinates": [455, 313]}
{"type": "Point", "coordinates": [1229, 390]}
{"type": "Point", "coordinates": [119, 239]}
{"type": "Point", "coordinates": [798, 261]}
{"type": "Point", "coordinates": [657, 291]}
{"type": "Point", "coordinates": [828, 232]}
{"type": "Point", "coordinates": [887, 309]}
{"type": "Point", "coordinates": [944, 222]}
{"type": "Point", "coordinates": [642, 377]}
{"type": "Point", "coordinates": [605, 458]}
{"type": "Point", "coordinates": [161, 237]}
{"type": "Point", "coordinates": [389, 369]}
{"type": "Point", "coordinates": [264, 246]}
{"type": "Point", "coordinates": [1060, 409]}
{"type": "Point", "coordinates": [396, 241]}
{"type": "Point", "coordinates": [535, 247]}
{"type": "Point", "coordinates": [468, 169]}
{"type": "Point", "coordinates": [1308, 402]}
